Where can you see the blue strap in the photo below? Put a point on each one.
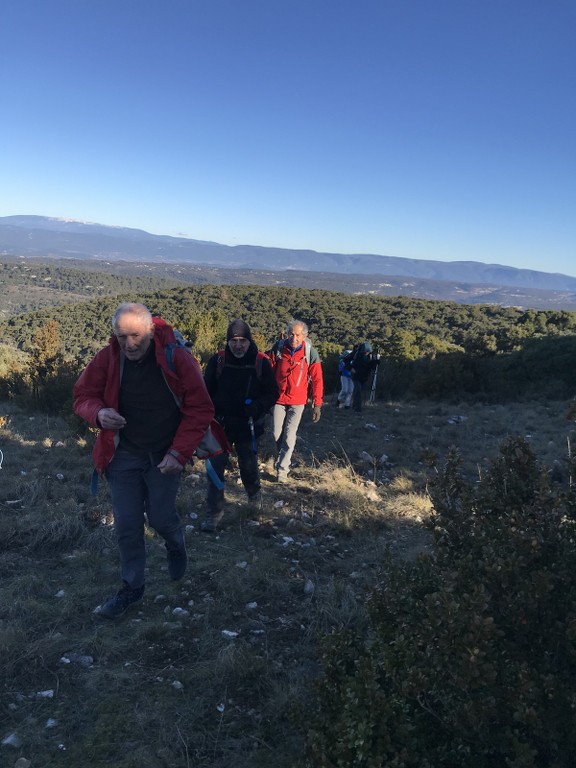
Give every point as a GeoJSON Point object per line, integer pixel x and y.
{"type": "Point", "coordinates": [213, 476]}
{"type": "Point", "coordinates": [169, 352]}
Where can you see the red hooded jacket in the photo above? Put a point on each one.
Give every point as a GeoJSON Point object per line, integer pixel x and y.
{"type": "Point", "coordinates": [292, 374]}
{"type": "Point", "coordinates": [99, 387]}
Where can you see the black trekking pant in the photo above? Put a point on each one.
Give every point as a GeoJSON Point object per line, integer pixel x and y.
{"type": "Point", "coordinates": [357, 395]}
{"type": "Point", "coordinates": [249, 474]}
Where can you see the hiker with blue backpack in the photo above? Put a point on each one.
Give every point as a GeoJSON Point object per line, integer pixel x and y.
{"type": "Point", "coordinates": [243, 388]}
{"type": "Point", "coordinates": [298, 372]}
{"type": "Point", "coordinates": [344, 399]}
{"type": "Point", "coordinates": [147, 396]}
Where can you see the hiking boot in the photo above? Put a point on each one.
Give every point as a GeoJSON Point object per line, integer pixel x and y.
{"type": "Point", "coordinates": [117, 604]}
{"type": "Point", "coordinates": [177, 563]}
{"type": "Point", "coordinates": [281, 477]}
{"type": "Point", "coordinates": [211, 520]}
{"type": "Point", "coordinates": [255, 498]}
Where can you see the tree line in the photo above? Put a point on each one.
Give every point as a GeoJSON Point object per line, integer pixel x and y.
{"type": "Point", "coordinates": [429, 348]}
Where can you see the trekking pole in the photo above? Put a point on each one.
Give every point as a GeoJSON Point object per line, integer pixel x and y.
{"type": "Point", "coordinates": [254, 443]}
{"type": "Point", "coordinates": [372, 397]}
{"type": "Point", "coordinates": [252, 430]}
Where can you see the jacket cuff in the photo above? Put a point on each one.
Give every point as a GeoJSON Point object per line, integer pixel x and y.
{"type": "Point", "coordinates": [177, 455]}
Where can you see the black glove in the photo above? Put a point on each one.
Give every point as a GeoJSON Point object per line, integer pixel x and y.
{"type": "Point", "coordinates": [316, 413]}
{"type": "Point", "coordinates": [252, 410]}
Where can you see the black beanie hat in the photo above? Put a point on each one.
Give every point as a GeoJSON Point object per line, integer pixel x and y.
{"type": "Point", "coordinates": [239, 328]}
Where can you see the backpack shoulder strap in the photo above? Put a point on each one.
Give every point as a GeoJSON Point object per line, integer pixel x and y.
{"type": "Point", "coordinates": [219, 363]}
{"type": "Point", "coordinates": [307, 353]}
{"type": "Point", "coordinates": [169, 352]}
{"type": "Point", "coordinates": [171, 346]}
{"type": "Point", "coordinates": [278, 347]}
{"type": "Point", "coordinates": [260, 357]}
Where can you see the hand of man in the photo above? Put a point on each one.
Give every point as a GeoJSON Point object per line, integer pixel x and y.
{"type": "Point", "coordinates": [109, 418]}
{"type": "Point", "coordinates": [170, 465]}
{"type": "Point", "coordinates": [316, 413]}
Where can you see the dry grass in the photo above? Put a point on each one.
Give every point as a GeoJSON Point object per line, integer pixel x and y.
{"type": "Point", "coordinates": [167, 687]}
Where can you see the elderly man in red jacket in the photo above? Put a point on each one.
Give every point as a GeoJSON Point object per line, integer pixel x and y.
{"type": "Point", "coordinates": [296, 364]}
{"type": "Point", "coordinates": [152, 413]}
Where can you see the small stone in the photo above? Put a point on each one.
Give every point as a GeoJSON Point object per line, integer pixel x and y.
{"type": "Point", "coordinates": [309, 587]}
{"type": "Point", "coordinates": [12, 740]}
{"type": "Point", "coordinates": [83, 660]}
{"type": "Point", "coordinates": [173, 625]}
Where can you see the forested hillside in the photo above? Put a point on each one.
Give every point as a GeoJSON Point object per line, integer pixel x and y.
{"type": "Point", "coordinates": [429, 348]}
{"type": "Point", "coordinates": [401, 327]}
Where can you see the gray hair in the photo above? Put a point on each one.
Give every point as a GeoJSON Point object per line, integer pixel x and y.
{"type": "Point", "coordinates": [301, 323]}
{"type": "Point", "coordinates": [132, 308]}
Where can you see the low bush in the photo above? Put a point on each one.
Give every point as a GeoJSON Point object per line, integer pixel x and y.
{"type": "Point", "coordinates": [469, 658]}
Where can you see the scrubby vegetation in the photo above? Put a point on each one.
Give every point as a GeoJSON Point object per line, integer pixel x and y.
{"type": "Point", "coordinates": [469, 654]}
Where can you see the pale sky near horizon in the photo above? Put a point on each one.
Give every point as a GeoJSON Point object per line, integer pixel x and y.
{"type": "Point", "coordinates": [428, 129]}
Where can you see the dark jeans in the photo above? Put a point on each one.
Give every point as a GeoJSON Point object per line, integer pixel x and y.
{"type": "Point", "coordinates": [357, 395]}
{"type": "Point", "coordinates": [249, 474]}
{"type": "Point", "coordinates": [138, 488]}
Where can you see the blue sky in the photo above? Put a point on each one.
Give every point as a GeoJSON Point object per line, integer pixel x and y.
{"type": "Point", "coordinates": [433, 129]}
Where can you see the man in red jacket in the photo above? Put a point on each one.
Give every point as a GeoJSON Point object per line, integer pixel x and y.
{"type": "Point", "coordinates": [152, 415]}
{"type": "Point", "coordinates": [295, 363]}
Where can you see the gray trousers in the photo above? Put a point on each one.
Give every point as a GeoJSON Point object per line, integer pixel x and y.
{"type": "Point", "coordinates": [285, 423]}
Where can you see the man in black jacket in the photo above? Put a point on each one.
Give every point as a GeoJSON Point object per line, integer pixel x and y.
{"type": "Point", "coordinates": [243, 388]}
{"type": "Point", "coordinates": [362, 364]}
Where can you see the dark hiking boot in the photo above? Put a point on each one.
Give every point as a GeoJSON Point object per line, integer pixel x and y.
{"type": "Point", "coordinates": [118, 604]}
{"type": "Point", "coordinates": [255, 498]}
{"type": "Point", "coordinates": [177, 563]}
{"type": "Point", "coordinates": [211, 521]}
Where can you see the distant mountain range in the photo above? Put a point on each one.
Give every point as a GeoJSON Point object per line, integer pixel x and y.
{"type": "Point", "coordinates": [461, 281]}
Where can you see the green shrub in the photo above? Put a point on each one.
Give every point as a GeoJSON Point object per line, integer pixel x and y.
{"type": "Point", "coordinates": [470, 657]}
